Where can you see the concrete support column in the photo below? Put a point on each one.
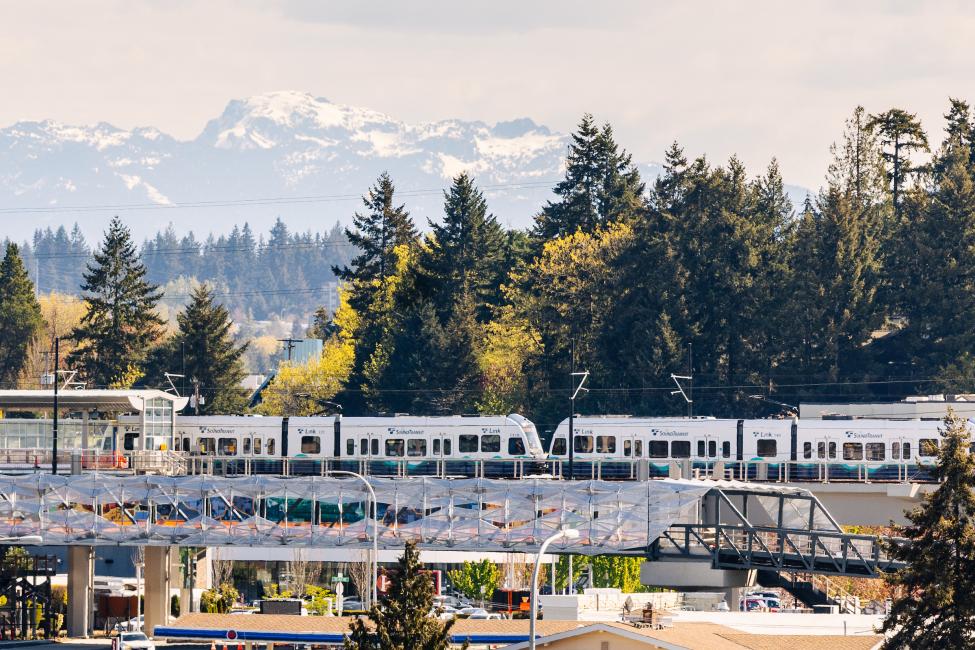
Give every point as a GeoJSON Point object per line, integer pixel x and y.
{"type": "Point", "coordinates": [81, 588]}
{"type": "Point", "coordinates": [157, 582]}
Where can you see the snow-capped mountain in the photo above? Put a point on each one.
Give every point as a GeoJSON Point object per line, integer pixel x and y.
{"type": "Point", "coordinates": [310, 156]}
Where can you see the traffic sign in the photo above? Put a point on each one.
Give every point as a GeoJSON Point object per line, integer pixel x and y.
{"type": "Point", "coordinates": [231, 635]}
{"type": "Point", "coordinates": [340, 578]}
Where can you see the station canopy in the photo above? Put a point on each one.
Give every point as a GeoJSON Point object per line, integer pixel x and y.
{"type": "Point", "coordinates": [118, 401]}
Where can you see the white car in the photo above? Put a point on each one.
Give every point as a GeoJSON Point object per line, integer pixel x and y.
{"type": "Point", "coordinates": [135, 641]}
{"type": "Point", "coordinates": [485, 616]}
{"type": "Point", "coordinates": [130, 625]}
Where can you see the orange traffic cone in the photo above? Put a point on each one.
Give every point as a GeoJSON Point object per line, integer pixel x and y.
{"type": "Point", "coordinates": [240, 645]}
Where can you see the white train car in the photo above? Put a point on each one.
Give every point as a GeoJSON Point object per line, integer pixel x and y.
{"type": "Point", "coordinates": [229, 435]}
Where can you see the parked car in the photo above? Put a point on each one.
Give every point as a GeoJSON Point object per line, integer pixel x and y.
{"type": "Point", "coordinates": [130, 625]}
{"type": "Point", "coordinates": [352, 604]}
{"type": "Point", "coordinates": [135, 641]}
{"type": "Point", "coordinates": [483, 615]}
{"type": "Point", "coordinates": [444, 612]}
{"type": "Point", "coordinates": [753, 604]}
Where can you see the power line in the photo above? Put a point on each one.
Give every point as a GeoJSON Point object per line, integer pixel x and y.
{"type": "Point", "coordinates": [276, 200]}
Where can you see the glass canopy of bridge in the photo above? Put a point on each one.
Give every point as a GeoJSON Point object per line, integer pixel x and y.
{"type": "Point", "coordinates": [124, 420]}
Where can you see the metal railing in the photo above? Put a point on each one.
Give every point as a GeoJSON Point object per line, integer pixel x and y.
{"type": "Point", "coordinates": [179, 463]}
{"type": "Point", "coordinates": [781, 549]}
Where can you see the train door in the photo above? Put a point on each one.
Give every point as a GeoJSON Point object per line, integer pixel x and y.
{"type": "Point", "coordinates": [826, 447]}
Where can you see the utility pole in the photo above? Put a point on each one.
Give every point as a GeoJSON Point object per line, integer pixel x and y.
{"type": "Point", "coordinates": [289, 343]}
{"type": "Point", "coordinates": [690, 380]}
{"type": "Point", "coordinates": [54, 422]}
{"type": "Point", "coordinates": [572, 407]}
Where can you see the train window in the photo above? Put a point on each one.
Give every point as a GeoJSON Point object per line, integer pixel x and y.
{"type": "Point", "coordinates": [680, 449]}
{"type": "Point", "coordinates": [375, 447]}
{"type": "Point", "coordinates": [270, 446]}
{"type": "Point", "coordinates": [436, 446]}
{"type": "Point", "coordinates": [606, 444]}
{"type": "Point", "coordinates": [186, 444]}
{"type": "Point", "coordinates": [446, 447]}
{"type": "Point", "coordinates": [128, 442]}
{"type": "Point", "coordinates": [807, 449]}
{"type": "Point", "coordinates": [228, 446]}
{"type": "Point", "coordinates": [928, 447]}
{"type": "Point", "coordinates": [712, 448]}
{"type": "Point", "coordinates": [583, 444]}
{"type": "Point", "coordinates": [311, 445]}
{"type": "Point", "coordinates": [394, 447]}
{"type": "Point", "coordinates": [246, 446]}
{"type": "Point", "coordinates": [416, 447]}
{"type": "Point", "coordinates": [895, 450]}
{"type": "Point", "coordinates": [876, 451]}
{"type": "Point", "coordinates": [467, 444]}
{"type": "Point", "coordinates": [350, 447]}
{"type": "Point", "coordinates": [726, 449]}
{"type": "Point", "coordinates": [852, 451]}
{"type": "Point", "coordinates": [516, 447]}
{"type": "Point", "coordinates": [491, 443]}
{"type": "Point", "coordinates": [363, 446]}
{"type": "Point", "coordinates": [657, 449]}
{"type": "Point", "coordinates": [627, 447]}
{"type": "Point", "coordinates": [257, 446]}
{"type": "Point", "coordinates": [558, 447]}
{"type": "Point", "coordinates": [638, 448]}
{"type": "Point", "coordinates": [906, 451]}
{"type": "Point", "coordinates": [700, 448]}
{"type": "Point", "coordinates": [767, 448]}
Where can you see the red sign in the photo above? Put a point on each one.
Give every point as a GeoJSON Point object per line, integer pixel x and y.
{"type": "Point", "coordinates": [382, 583]}
{"type": "Point", "coordinates": [231, 634]}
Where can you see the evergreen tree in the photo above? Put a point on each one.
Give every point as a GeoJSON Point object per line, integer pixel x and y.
{"type": "Point", "coordinates": [20, 316]}
{"type": "Point", "coordinates": [901, 132]}
{"type": "Point", "coordinates": [402, 620]}
{"type": "Point", "coordinates": [204, 350]}
{"type": "Point", "coordinates": [463, 254]}
{"type": "Point", "coordinates": [121, 324]}
{"type": "Point", "coordinates": [321, 324]}
{"type": "Point", "coordinates": [601, 184]}
{"type": "Point", "coordinates": [376, 234]}
{"type": "Point", "coordinates": [937, 604]}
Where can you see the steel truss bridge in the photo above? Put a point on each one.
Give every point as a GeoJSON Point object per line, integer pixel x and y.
{"type": "Point", "coordinates": [732, 525]}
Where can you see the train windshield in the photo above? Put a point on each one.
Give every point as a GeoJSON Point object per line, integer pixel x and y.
{"type": "Point", "coordinates": [531, 435]}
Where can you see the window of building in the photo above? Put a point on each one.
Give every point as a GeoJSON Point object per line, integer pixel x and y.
{"type": "Point", "coordinates": [583, 444]}
{"type": "Point", "coordinates": [516, 447]}
{"type": "Point", "coordinates": [767, 448]}
{"type": "Point", "coordinates": [657, 449]}
{"type": "Point", "coordinates": [394, 447]}
{"type": "Point", "coordinates": [876, 451]}
{"type": "Point", "coordinates": [350, 447]}
{"type": "Point", "coordinates": [416, 447]}
{"type": "Point", "coordinates": [311, 445]}
{"type": "Point", "coordinates": [726, 449]}
{"type": "Point", "coordinates": [246, 444]}
{"type": "Point", "coordinates": [606, 444]}
{"type": "Point", "coordinates": [467, 444]}
{"type": "Point", "coordinates": [680, 449]}
{"type": "Point", "coordinates": [807, 450]}
{"type": "Point", "coordinates": [928, 447]}
{"type": "Point", "coordinates": [852, 451]}
{"type": "Point", "coordinates": [558, 447]}
{"type": "Point", "coordinates": [491, 444]}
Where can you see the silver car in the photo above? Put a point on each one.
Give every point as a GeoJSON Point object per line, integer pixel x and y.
{"type": "Point", "coordinates": [135, 641]}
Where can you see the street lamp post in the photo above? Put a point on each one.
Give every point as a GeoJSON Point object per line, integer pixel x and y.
{"type": "Point", "coordinates": [375, 529]}
{"type": "Point", "coordinates": [565, 533]}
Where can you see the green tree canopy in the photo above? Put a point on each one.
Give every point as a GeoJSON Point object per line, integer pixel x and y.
{"type": "Point", "coordinates": [900, 133]}
{"type": "Point", "coordinates": [20, 316]}
{"type": "Point", "coordinates": [937, 606]}
{"type": "Point", "coordinates": [471, 577]}
{"type": "Point", "coordinates": [121, 324]}
{"type": "Point", "coordinates": [403, 619]}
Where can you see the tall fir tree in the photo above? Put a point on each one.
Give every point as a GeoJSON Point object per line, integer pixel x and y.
{"type": "Point", "coordinates": [121, 324]}
{"type": "Point", "coordinates": [936, 607]}
{"type": "Point", "coordinates": [402, 621]}
{"type": "Point", "coordinates": [376, 234]}
{"type": "Point", "coordinates": [204, 351]}
{"type": "Point", "coordinates": [463, 253]}
{"type": "Point", "coordinates": [20, 316]}
{"type": "Point", "coordinates": [601, 184]}
{"type": "Point", "coordinates": [900, 133]}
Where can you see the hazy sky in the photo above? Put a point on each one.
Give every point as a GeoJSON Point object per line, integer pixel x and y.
{"type": "Point", "coordinates": [759, 79]}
